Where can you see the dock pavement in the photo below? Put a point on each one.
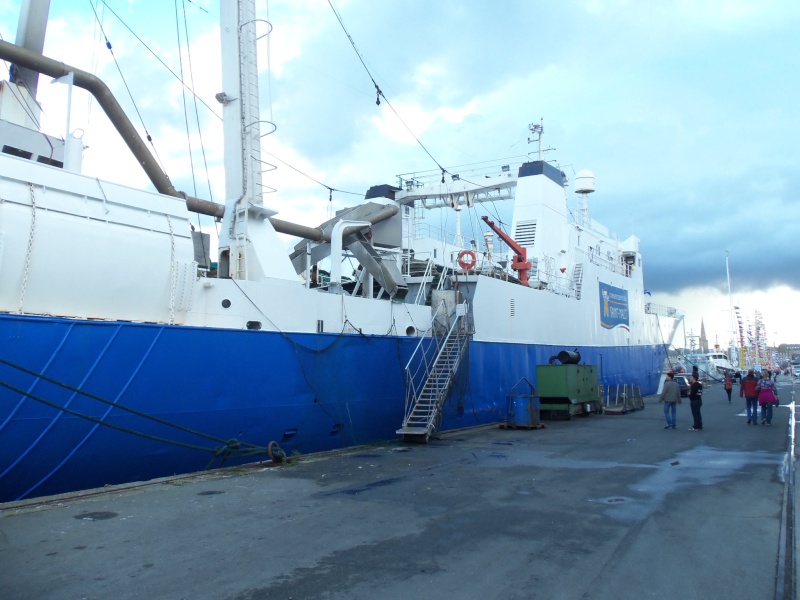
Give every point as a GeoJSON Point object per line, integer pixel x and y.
{"type": "Point", "coordinates": [599, 507]}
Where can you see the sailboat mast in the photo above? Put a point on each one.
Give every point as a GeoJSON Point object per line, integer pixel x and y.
{"type": "Point", "coordinates": [730, 309]}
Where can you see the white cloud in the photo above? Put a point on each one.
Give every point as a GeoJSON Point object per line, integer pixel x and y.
{"type": "Point", "coordinates": [713, 308]}
{"type": "Point", "coordinates": [673, 105]}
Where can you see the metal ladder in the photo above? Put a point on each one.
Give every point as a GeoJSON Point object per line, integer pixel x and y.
{"type": "Point", "coordinates": [429, 377]}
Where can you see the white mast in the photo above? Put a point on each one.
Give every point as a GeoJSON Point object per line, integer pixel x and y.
{"type": "Point", "coordinates": [538, 130]}
{"type": "Point", "coordinates": [459, 239]}
{"type": "Point", "coordinates": [240, 101]}
{"type": "Point", "coordinates": [248, 246]}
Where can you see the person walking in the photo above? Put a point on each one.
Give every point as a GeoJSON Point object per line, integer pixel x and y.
{"type": "Point", "coordinates": [767, 397]}
{"type": "Point", "coordinates": [671, 397]}
{"type": "Point", "coordinates": [747, 390]}
{"type": "Point", "coordinates": [728, 386]}
{"type": "Point", "coordinates": [696, 401]}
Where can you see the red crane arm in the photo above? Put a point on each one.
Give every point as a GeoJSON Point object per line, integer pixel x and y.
{"type": "Point", "coordinates": [519, 262]}
{"type": "Point", "coordinates": [505, 237]}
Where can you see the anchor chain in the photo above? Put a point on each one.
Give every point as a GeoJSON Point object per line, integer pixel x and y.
{"type": "Point", "coordinates": [29, 251]}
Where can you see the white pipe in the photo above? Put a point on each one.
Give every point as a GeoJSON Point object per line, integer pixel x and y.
{"type": "Point", "coordinates": [336, 251]}
{"type": "Point", "coordinates": [308, 265]}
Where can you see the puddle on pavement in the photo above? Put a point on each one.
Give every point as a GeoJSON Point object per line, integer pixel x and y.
{"type": "Point", "coordinates": [96, 516]}
{"type": "Point", "coordinates": [698, 466]}
{"type": "Point", "coordinates": [701, 465]}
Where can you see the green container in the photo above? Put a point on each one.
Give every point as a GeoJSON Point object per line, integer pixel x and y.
{"type": "Point", "coordinates": [574, 383]}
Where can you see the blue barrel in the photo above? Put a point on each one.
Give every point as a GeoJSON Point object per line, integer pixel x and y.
{"type": "Point", "coordinates": [524, 412]}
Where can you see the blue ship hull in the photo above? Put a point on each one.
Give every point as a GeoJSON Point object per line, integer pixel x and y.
{"type": "Point", "coordinates": [307, 392]}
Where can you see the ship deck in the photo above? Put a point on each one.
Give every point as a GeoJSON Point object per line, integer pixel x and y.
{"type": "Point", "coordinates": [599, 507]}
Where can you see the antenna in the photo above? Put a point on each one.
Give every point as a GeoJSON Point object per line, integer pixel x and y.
{"type": "Point", "coordinates": [538, 130]}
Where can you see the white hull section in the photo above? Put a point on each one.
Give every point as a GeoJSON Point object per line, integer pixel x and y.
{"type": "Point", "coordinates": [132, 259]}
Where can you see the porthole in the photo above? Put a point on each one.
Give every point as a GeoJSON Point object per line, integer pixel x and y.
{"type": "Point", "coordinates": [254, 325]}
{"type": "Point", "coordinates": [411, 330]}
{"type": "Point", "coordinates": [226, 303]}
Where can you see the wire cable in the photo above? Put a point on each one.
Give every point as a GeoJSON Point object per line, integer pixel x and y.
{"type": "Point", "coordinates": [327, 187]}
{"type": "Point", "coordinates": [183, 96]}
{"type": "Point", "coordinates": [156, 57]}
{"type": "Point", "coordinates": [196, 111]}
{"type": "Point", "coordinates": [378, 91]}
{"type": "Point", "coordinates": [136, 108]}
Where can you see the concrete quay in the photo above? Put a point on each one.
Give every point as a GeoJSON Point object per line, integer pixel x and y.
{"type": "Point", "coordinates": [600, 507]}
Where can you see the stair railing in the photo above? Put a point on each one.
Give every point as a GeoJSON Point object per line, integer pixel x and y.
{"type": "Point", "coordinates": [420, 299]}
{"type": "Point", "coordinates": [427, 354]}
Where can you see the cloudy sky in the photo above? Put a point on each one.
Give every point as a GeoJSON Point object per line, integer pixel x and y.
{"type": "Point", "coordinates": [686, 111]}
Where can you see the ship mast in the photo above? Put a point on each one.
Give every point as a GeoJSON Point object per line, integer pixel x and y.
{"type": "Point", "coordinates": [30, 35]}
{"type": "Point", "coordinates": [248, 243]}
{"type": "Point", "coordinates": [538, 131]}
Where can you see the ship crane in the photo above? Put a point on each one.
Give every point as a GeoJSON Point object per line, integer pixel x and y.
{"type": "Point", "coordinates": [519, 262]}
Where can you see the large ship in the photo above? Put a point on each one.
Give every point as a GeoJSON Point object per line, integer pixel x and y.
{"type": "Point", "coordinates": [127, 354]}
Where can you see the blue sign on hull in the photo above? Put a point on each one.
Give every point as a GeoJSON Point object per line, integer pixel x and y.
{"type": "Point", "coordinates": [614, 311]}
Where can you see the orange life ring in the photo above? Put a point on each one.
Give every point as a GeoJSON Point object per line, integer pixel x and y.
{"type": "Point", "coordinates": [467, 259]}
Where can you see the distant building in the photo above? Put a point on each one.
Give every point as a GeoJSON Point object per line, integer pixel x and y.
{"type": "Point", "coordinates": [791, 351]}
{"type": "Point", "coordinates": [703, 340]}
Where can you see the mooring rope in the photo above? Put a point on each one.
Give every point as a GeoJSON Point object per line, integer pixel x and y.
{"type": "Point", "coordinates": [224, 451]}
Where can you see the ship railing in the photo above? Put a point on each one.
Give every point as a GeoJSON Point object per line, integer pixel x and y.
{"type": "Point", "coordinates": [419, 356]}
{"type": "Point", "coordinates": [622, 397]}
{"type": "Point", "coordinates": [652, 308]}
{"type": "Point", "coordinates": [609, 260]}
{"type": "Point", "coordinates": [425, 272]}
{"type": "Point", "coordinates": [502, 166]}
{"type": "Point", "coordinates": [444, 351]}
{"type": "Point", "coordinates": [560, 286]}
{"type": "Point", "coordinates": [483, 266]}
{"type": "Point", "coordinates": [426, 277]}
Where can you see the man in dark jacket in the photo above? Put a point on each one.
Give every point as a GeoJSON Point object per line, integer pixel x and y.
{"type": "Point", "coordinates": [696, 401]}
{"type": "Point", "coordinates": [747, 390]}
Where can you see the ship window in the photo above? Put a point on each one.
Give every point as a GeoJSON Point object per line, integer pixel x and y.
{"type": "Point", "coordinates": [254, 325]}
{"type": "Point", "coordinates": [226, 303]}
{"type": "Point", "coordinates": [17, 152]}
{"type": "Point", "coordinates": [435, 252]}
{"type": "Point", "coordinates": [50, 161]}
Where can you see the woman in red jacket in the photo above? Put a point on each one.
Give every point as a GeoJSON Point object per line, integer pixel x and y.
{"type": "Point", "coordinates": [747, 390]}
{"type": "Point", "coordinates": [767, 397]}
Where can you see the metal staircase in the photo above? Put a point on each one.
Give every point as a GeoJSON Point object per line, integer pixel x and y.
{"type": "Point", "coordinates": [577, 279]}
{"type": "Point", "coordinates": [430, 373]}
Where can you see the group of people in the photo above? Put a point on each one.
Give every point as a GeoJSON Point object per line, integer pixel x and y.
{"type": "Point", "coordinates": [757, 391]}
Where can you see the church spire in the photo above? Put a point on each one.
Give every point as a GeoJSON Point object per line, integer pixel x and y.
{"type": "Point", "coordinates": [703, 340]}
